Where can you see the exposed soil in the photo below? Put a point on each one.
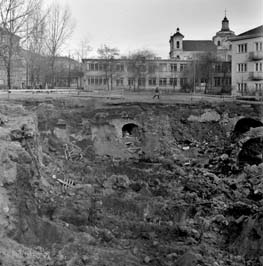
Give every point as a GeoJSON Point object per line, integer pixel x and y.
{"type": "Point", "coordinates": [130, 184]}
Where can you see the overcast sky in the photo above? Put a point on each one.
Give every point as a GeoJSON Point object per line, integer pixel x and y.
{"type": "Point", "coordinates": [136, 24]}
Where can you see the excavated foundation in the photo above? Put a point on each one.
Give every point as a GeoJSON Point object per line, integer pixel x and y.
{"type": "Point", "coordinates": [84, 183]}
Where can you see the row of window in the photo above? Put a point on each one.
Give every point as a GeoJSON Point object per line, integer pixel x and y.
{"type": "Point", "coordinates": [242, 87]}
{"type": "Point", "coordinates": [242, 67]}
{"type": "Point", "coordinates": [242, 48]}
{"type": "Point", "coordinates": [221, 81]}
{"type": "Point", "coordinates": [141, 81]}
{"type": "Point", "coordinates": [162, 82]}
{"type": "Point", "coordinates": [163, 67]}
{"type": "Point", "coordinates": [225, 68]}
{"type": "Point", "coordinates": [104, 67]}
{"type": "Point", "coordinates": [259, 86]}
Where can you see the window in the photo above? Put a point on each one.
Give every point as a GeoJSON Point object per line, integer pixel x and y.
{"type": "Point", "coordinates": [162, 82]}
{"type": "Point", "coordinates": [91, 67]}
{"type": "Point", "coordinates": [130, 81]}
{"type": "Point", "coordinates": [119, 82]}
{"type": "Point", "coordinates": [242, 87]}
{"type": "Point", "coordinates": [217, 81]}
{"type": "Point", "coordinates": [183, 67]}
{"type": "Point", "coordinates": [177, 44]}
{"type": "Point", "coordinates": [258, 67]}
{"type": "Point", "coordinates": [97, 81]}
{"type": "Point", "coordinates": [183, 81]}
{"type": "Point", "coordinates": [173, 67]}
{"type": "Point", "coordinates": [242, 67]}
{"type": "Point", "coordinates": [218, 43]}
{"type": "Point", "coordinates": [152, 68]}
{"type": "Point", "coordinates": [120, 68]}
{"type": "Point", "coordinates": [258, 46]}
{"type": "Point", "coordinates": [218, 68]}
{"type": "Point", "coordinates": [242, 48]}
{"type": "Point", "coordinates": [259, 86]}
{"type": "Point", "coordinates": [141, 82]}
{"type": "Point", "coordinates": [152, 81]}
{"type": "Point", "coordinates": [173, 82]}
{"type": "Point", "coordinates": [101, 67]}
{"type": "Point", "coordinates": [227, 81]}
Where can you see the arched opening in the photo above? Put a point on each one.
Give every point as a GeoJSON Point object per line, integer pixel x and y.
{"type": "Point", "coordinates": [130, 130]}
{"type": "Point", "coordinates": [243, 125]}
{"type": "Point", "coordinates": [177, 44]}
{"type": "Point", "coordinates": [251, 152]}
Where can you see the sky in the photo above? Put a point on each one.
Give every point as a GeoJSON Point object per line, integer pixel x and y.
{"type": "Point", "coordinates": [131, 25]}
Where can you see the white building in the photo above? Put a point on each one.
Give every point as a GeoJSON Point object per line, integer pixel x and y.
{"type": "Point", "coordinates": [247, 62]}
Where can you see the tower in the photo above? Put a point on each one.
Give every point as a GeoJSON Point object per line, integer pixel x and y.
{"type": "Point", "coordinates": [221, 39]}
{"type": "Point", "coordinates": [225, 24]}
{"type": "Point", "coordinates": [176, 44]}
{"type": "Point", "coordinates": [222, 42]}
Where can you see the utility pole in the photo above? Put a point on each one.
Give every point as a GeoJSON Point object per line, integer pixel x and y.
{"type": "Point", "coordinates": [194, 76]}
{"type": "Point", "coordinates": [69, 70]}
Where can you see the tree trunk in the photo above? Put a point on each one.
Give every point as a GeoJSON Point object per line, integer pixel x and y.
{"type": "Point", "coordinates": [8, 81]}
{"type": "Point", "coordinates": [53, 73]}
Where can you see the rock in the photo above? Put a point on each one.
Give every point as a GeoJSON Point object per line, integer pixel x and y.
{"type": "Point", "coordinates": [188, 259]}
{"type": "Point", "coordinates": [208, 116]}
{"type": "Point", "coordinates": [212, 176]}
{"type": "Point", "coordinates": [116, 182]}
{"type": "Point", "coordinates": [224, 157]}
{"type": "Point", "coordinates": [220, 219]}
{"type": "Point", "coordinates": [147, 259]}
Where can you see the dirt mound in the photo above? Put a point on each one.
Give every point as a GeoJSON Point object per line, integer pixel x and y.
{"type": "Point", "coordinates": [127, 185]}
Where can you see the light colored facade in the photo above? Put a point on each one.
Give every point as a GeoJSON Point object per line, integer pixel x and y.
{"type": "Point", "coordinates": [167, 74]}
{"type": "Point", "coordinates": [18, 63]}
{"type": "Point", "coordinates": [247, 62]}
{"type": "Point", "coordinates": [176, 73]}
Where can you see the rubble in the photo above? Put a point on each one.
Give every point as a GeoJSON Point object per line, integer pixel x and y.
{"type": "Point", "coordinates": [207, 116]}
{"type": "Point", "coordinates": [186, 200]}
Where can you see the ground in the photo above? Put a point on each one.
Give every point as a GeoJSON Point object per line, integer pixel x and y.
{"type": "Point", "coordinates": [88, 181]}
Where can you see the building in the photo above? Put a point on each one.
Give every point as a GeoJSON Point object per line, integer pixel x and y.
{"type": "Point", "coordinates": [17, 63]}
{"type": "Point", "coordinates": [181, 49]}
{"type": "Point", "coordinates": [247, 62]}
{"type": "Point", "coordinates": [192, 65]}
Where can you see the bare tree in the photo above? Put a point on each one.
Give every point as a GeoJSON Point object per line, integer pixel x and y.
{"type": "Point", "coordinates": [83, 49]}
{"type": "Point", "coordinates": [59, 28]}
{"type": "Point", "coordinates": [108, 56]}
{"type": "Point", "coordinates": [141, 64]}
{"type": "Point", "coordinates": [200, 70]}
{"type": "Point", "coordinates": [35, 47]}
{"type": "Point", "coordinates": [14, 15]}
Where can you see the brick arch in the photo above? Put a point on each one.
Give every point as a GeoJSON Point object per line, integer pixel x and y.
{"type": "Point", "coordinates": [131, 129]}
{"type": "Point", "coordinates": [244, 124]}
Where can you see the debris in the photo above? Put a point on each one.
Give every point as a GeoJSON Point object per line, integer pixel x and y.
{"type": "Point", "coordinates": [208, 116]}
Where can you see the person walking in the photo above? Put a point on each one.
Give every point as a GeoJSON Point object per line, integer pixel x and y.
{"type": "Point", "coordinates": [156, 93]}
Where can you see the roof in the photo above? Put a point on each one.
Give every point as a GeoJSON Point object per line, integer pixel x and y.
{"type": "Point", "coordinates": [253, 33]}
{"type": "Point", "coordinates": [225, 19]}
{"type": "Point", "coordinates": [178, 34]}
{"type": "Point", "coordinates": [257, 30]}
{"type": "Point", "coordinates": [205, 46]}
